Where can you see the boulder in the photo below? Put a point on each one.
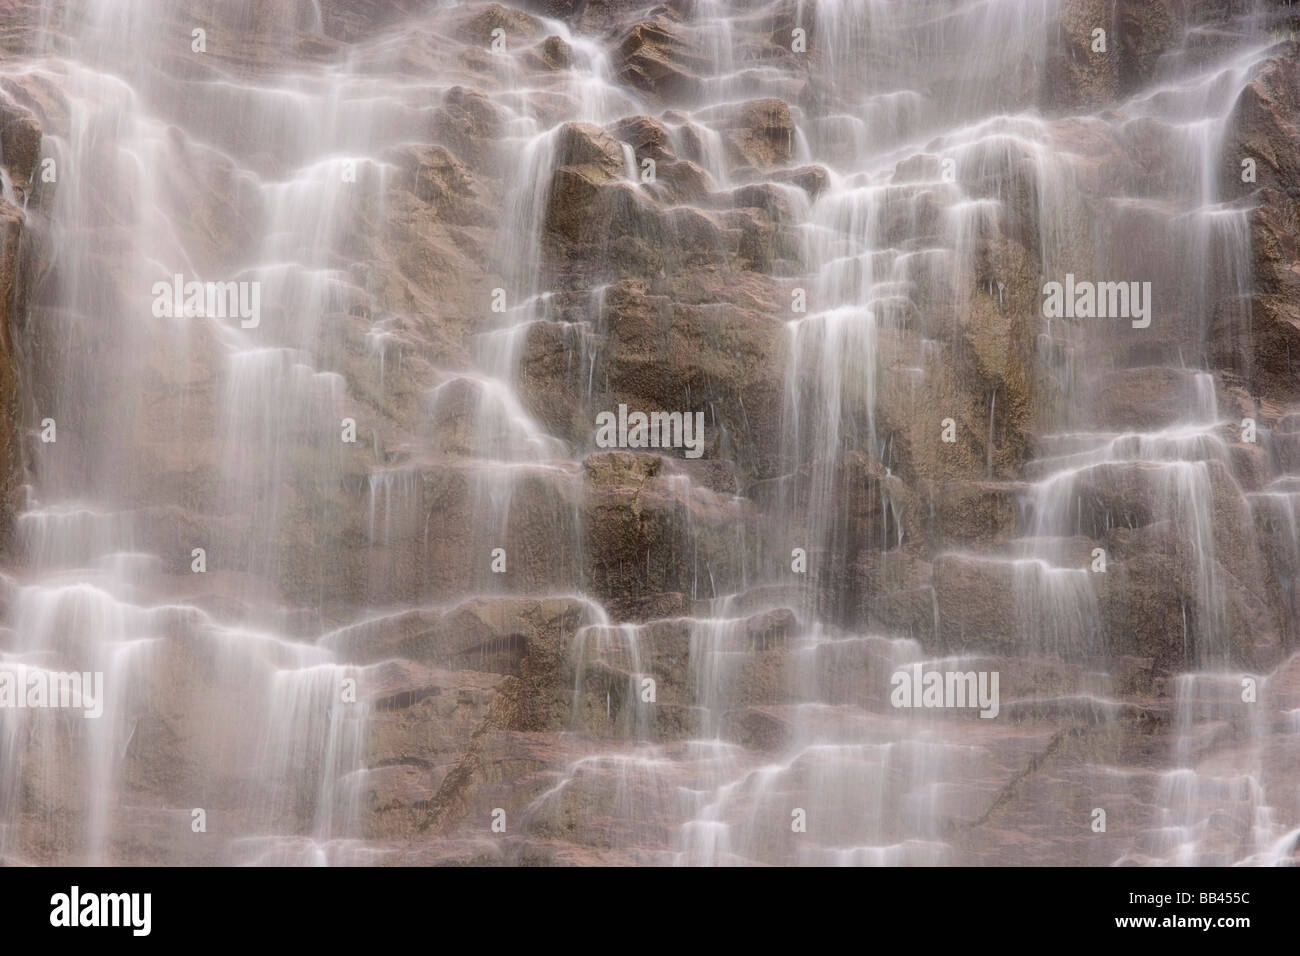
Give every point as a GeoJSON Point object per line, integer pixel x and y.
{"type": "Point", "coordinates": [655, 58]}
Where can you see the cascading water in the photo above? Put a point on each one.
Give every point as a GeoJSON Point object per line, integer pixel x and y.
{"type": "Point", "coordinates": [358, 575]}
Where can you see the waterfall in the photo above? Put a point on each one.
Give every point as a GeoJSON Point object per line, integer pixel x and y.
{"type": "Point", "coordinates": [325, 300]}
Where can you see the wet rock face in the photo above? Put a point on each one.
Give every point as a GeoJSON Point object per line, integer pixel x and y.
{"type": "Point", "coordinates": [760, 134]}
{"type": "Point", "coordinates": [20, 145]}
{"type": "Point", "coordinates": [656, 59]}
{"type": "Point", "coordinates": [995, 364]}
{"type": "Point", "coordinates": [1108, 50]}
{"type": "Point", "coordinates": [1275, 316]}
{"type": "Point", "coordinates": [904, 460]}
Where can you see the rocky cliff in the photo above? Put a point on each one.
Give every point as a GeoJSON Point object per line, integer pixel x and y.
{"type": "Point", "coordinates": [565, 206]}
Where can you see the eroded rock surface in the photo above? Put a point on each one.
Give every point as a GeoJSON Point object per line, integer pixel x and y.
{"type": "Point", "coordinates": [837, 258]}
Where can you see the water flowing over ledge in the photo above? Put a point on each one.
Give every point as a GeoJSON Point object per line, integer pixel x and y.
{"type": "Point", "coordinates": [362, 581]}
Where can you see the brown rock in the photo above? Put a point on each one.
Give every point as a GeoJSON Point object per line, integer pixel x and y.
{"type": "Point", "coordinates": [759, 134]}
{"type": "Point", "coordinates": [654, 57]}
{"type": "Point", "coordinates": [20, 140]}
